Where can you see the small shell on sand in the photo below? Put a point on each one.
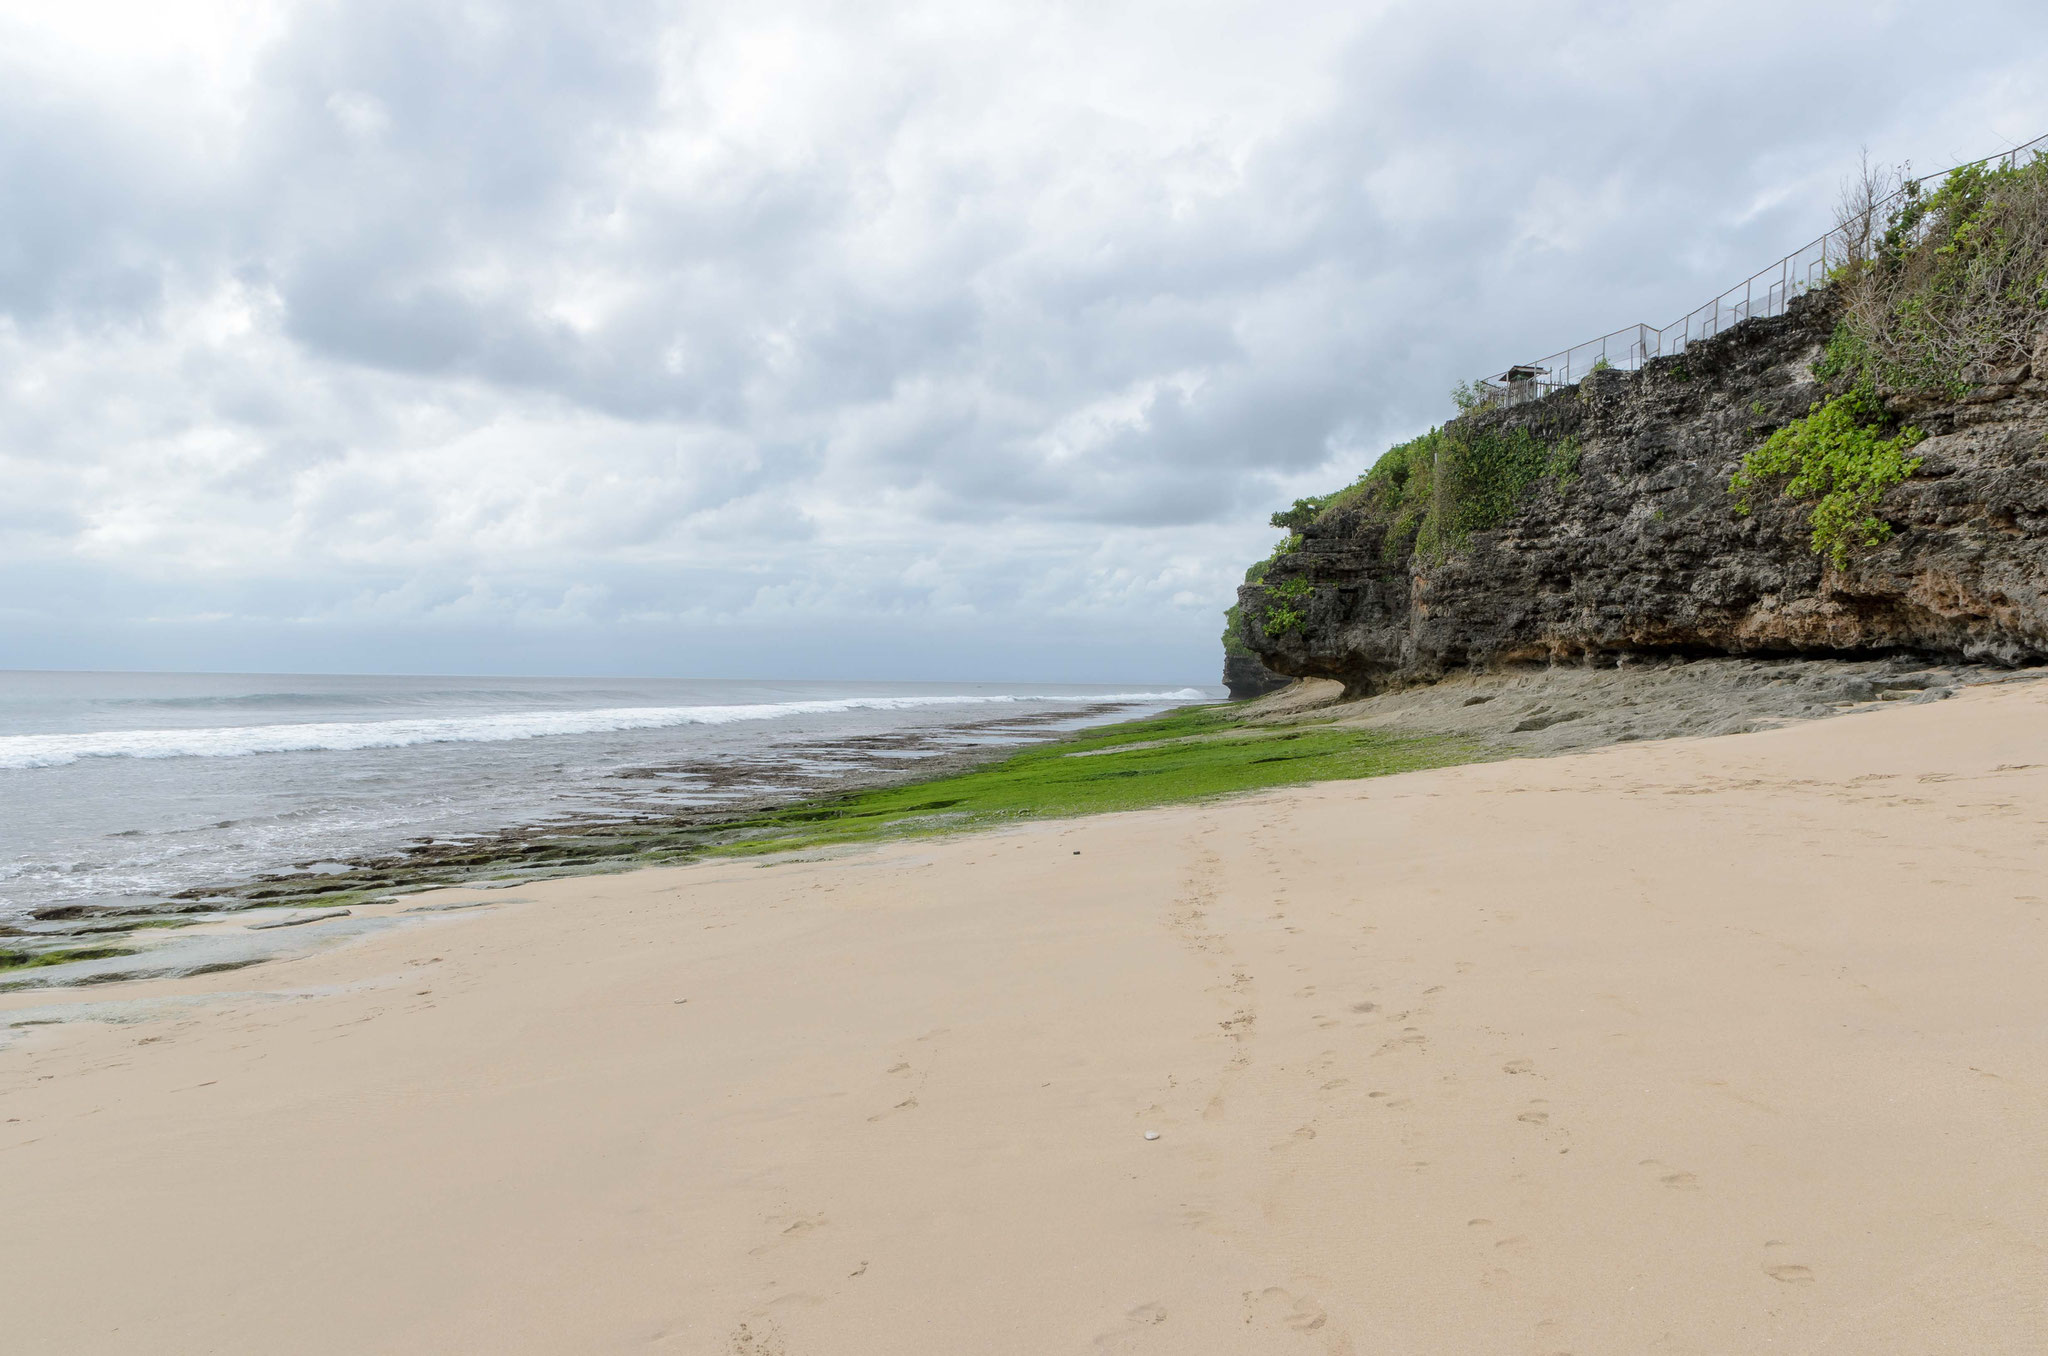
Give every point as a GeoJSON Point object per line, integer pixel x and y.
{"type": "Point", "coordinates": [1151, 1134]}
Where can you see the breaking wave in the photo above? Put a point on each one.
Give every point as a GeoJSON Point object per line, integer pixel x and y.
{"type": "Point", "coordinates": [240, 741]}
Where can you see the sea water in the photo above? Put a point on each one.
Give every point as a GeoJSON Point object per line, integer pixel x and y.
{"type": "Point", "coordinates": [121, 788]}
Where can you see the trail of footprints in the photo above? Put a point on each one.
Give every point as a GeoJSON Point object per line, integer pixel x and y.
{"type": "Point", "coordinates": [1277, 1309]}
{"type": "Point", "coordinates": [1274, 1309]}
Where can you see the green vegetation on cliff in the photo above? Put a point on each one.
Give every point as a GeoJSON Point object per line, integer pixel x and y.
{"type": "Point", "coordinates": [1942, 292]}
{"type": "Point", "coordinates": [1838, 458]}
{"type": "Point", "coordinates": [1432, 492]}
{"type": "Point", "coordinates": [1233, 634]}
{"type": "Point", "coordinates": [1471, 475]}
{"type": "Point", "coordinates": [1943, 288]}
{"type": "Point", "coordinates": [1287, 606]}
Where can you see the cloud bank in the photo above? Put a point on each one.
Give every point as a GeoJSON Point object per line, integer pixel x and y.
{"type": "Point", "coordinates": [783, 339]}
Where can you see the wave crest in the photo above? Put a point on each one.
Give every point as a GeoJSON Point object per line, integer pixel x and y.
{"type": "Point", "coordinates": [19, 752]}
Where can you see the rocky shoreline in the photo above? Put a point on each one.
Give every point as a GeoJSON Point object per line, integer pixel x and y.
{"type": "Point", "coordinates": [1536, 710]}
{"type": "Point", "coordinates": [1511, 710]}
{"type": "Point", "coordinates": [69, 944]}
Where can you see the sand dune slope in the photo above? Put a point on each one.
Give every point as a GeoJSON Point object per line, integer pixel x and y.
{"type": "Point", "coordinates": [1718, 1046]}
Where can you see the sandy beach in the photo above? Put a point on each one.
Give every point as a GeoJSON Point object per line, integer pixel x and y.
{"type": "Point", "coordinates": [1704, 1046]}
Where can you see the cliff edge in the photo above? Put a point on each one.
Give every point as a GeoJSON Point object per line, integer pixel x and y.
{"type": "Point", "coordinates": [1862, 472]}
{"type": "Point", "coordinates": [1627, 539]}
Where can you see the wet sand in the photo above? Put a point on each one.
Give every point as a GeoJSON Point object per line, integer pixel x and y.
{"type": "Point", "coordinates": [1717, 1045]}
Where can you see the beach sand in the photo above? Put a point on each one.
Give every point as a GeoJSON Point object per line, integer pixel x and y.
{"type": "Point", "coordinates": [1721, 1046]}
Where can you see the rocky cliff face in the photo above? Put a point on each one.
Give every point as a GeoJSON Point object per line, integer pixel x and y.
{"type": "Point", "coordinates": [1244, 676]}
{"type": "Point", "coordinates": [1642, 551]}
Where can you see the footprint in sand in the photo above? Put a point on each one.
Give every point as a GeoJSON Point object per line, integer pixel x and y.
{"type": "Point", "coordinates": [1518, 1066]}
{"type": "Point", "coordinates": [790, 1234]}
{"type": "Point", "coordinates": [1789, 1273]}
{"type": "Point", "coordinates": [1277, 1307]}
{"type": "Point", "coordinates": [1136, 1320]}
{"type": "Point", "coordinates": [756, 1339]}
{"type": "Point", "coordinates": [1410, 1038]}
{"type": "Point", "coordinates": [1302, 1134]}
{"type": "Point", "coordinates": [1677, 1181]}
{"type": "Point", "coordinates": [907, 1104]}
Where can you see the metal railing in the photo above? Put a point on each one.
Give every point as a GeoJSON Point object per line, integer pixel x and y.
{"type": "Point", "coordinates": [1766, 293]}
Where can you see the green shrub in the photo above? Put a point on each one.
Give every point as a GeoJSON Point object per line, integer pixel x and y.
{"type": "Point", "coordinates": [1286, 546]}
{"type": "Point", "coordinates": [1847, 355]}
{"type": "Point", "coordinates": [1233, 634]}
{"type": "Point", "coordinates": [1400, 488]}
{"type": "Point", "coordinates": [1435, 491]}
{"type": "Point", "coordinates": [1287, 606]}
{"type": "Point", "coordinates": [1489, 469]}
{"type": "Point", "coordinates": [1300, 514]}
{"type": "Point", "coordinates": [1944, 282]}
{"type": "Point", "coordinates": [1839, 459]}
{"type": "Point", "coordinates": [1431, 493]}
{"type": "Point", "coordinates": [1472, 395]}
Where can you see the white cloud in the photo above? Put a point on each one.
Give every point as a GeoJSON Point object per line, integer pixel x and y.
{"type": "Point", "coordinates": [920, 339]}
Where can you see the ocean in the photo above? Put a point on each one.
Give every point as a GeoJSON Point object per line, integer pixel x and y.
{"type": "Point", "coordinates": [123, 789]}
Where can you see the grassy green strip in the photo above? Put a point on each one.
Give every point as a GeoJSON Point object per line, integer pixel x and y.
{"type": "Point", "coordinates": [29, 960]}
{"type": "Point", "coordinates": [1186, 755]}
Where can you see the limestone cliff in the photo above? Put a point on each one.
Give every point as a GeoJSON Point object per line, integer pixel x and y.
{"type": "Point", "coordinates": [1632, 545]}
{"type": "Point", "coordinates": [1244, 676]}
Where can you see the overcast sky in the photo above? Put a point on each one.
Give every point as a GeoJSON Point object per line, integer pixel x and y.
{"type": "Point", "coordinates": [837, 340]}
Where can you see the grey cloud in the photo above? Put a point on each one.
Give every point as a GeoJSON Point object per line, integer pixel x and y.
{"type": "Point", "coordinates": [486, 317]}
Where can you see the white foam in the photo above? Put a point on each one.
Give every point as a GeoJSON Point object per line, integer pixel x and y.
{"type": "Point", "coordinates": [240, 741]}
